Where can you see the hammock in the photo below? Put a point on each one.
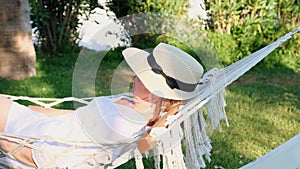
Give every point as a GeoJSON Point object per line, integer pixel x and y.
{"type": "Point", "coordinates": [190, 124]}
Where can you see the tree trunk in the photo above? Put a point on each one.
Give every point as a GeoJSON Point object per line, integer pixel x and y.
{"type": "Point", "coordinates": [17, 54]}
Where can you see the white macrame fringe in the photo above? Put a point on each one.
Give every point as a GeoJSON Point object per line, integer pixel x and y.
{"type": "Point", "coordinates": [194, 126]}
{"type": "Point", "coordinates": [174, 158]}
{"type": "Point", "coordinates": [156, 158]}
{"type": "Point", "coordinates": [197, 143]}
{"type": "Point", "coordinates": [215, 108]}
{"type": "Point", "coordinates": [170, 148]}
{"type": "Point", "coordinates": [138, 159]}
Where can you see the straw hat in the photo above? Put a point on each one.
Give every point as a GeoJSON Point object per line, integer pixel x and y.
{"type": "Point", "coordinates": [167, 71]}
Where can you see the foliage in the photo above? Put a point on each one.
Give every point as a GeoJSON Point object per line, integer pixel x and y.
{"type": "Point", "coordinates": [255, 23]}
{"type": "Point", "coordinates": [57, 22]}
{"type": "Point", "coordinates": [149, 17]}
{"type": "Point", "coordinates": [126, 7]}
{"type": "Point", "coordinates": [226, 47]}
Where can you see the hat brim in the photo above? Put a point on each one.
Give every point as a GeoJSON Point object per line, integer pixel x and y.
{"type": "Point", "coordinates": [155, 83]}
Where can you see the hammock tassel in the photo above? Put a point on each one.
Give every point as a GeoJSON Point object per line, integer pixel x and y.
{"type": "Point", "coordinates": [197, 143]}
{"type": "Point", "coordinates": [170, 148]}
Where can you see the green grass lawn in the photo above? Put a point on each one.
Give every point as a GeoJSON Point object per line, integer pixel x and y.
{"type": "Point", "coordinates": [263, 107]}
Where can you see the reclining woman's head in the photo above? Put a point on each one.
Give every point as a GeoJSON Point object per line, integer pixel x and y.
{"type": "Point", "coordinates": [164, 77]}
{"type": "Point", "coordinates": [167, 72]}
{"type": "Point", "coordinates": [148, 104]}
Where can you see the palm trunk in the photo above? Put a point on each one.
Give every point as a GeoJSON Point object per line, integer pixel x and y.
{"type": "Point", "coordinates": [17, 54]}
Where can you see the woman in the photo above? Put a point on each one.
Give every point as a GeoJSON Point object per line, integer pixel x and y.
{"type": "Point", "coordinates": [165, 77]}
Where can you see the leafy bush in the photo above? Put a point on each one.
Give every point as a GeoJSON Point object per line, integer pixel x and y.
{"type": "Point", "coordinates": [226, 47]}
{"type": "Point", "coordinates": [126, 7]}
{"type": "Point", "coordinates": [57, 22]}
{"type": "Point", "coordinates": [149, 17]}
{"type": "Point", "coordinates": [251, 25]}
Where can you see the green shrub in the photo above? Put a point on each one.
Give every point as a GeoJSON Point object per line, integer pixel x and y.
{"type": "Point", "coordinates": [226, 47]}
{"type": "Point", "coordinates": [251, 25]}
{"type": "Point", "coordinates": [57, 23]}
{"type": "Point", "coordinates": [146, 20]}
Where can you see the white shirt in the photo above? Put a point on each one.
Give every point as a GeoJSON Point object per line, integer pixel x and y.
{"type": "Point", "coordinates": [102, 121]}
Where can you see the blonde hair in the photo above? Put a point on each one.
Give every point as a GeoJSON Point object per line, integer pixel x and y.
{"type": "Point", "coordinates": [166, 105]}
{"type": "Point", "coordinates": [170, 105]}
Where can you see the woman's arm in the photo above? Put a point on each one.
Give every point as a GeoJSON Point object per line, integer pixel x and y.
{"type": "Point", "coordinates": [23, 155]}
{"type": "Point", "coordinates": [5, 105]}
{"type": "Point", "coordinates": [51, 112]}
{"type": "Point", "coordinates": [145, 143]}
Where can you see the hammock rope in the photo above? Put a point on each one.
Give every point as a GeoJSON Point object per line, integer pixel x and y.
{"type": "Point", "coordinates": [188, 123]}
{"type": "Point", "coordinates": [52, 101]}
{"type": "Point", "coordinates": [212, 98]}
{"type": "Point", "coordinates": [224, 77]}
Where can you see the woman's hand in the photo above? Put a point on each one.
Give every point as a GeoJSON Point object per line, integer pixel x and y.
{"type": "Point", "coordinates": [145, 143]}
{"type": "Point", "coordinates": [152, 121]}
